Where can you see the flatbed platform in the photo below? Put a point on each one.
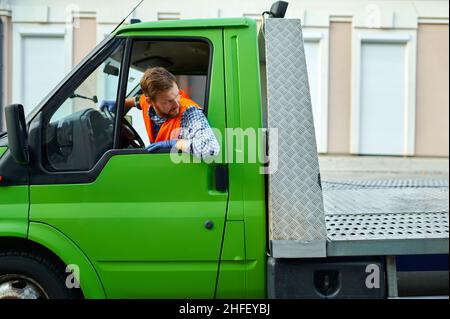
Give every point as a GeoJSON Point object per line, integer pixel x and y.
{"type": "Point", "coordinates": [387, 217]}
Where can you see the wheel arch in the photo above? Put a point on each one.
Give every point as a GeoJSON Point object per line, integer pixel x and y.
{"type": "Point", "coordinates": [51, 243]}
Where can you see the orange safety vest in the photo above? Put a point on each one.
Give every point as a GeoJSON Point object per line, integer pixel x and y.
{"type": "Point", "coordinates": [171, 127]}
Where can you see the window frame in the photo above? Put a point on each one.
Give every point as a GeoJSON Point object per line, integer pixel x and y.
{"type": "Point", "coordinates": [128, 51]}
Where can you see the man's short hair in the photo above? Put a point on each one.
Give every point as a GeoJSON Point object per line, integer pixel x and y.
{"type": "Point", "coordinates": [156, 80]}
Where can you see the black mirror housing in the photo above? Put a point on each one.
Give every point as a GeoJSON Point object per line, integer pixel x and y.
{"type": "Point", "coordinates": [17, 133]}
{"type": "Point", "coordinates": [278, 9]}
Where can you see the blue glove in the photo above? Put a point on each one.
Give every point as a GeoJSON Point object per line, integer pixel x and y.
{"type": "Point", "coordinates": [162, 144]}
{"type": "Point", "coordinates": [110, 104]}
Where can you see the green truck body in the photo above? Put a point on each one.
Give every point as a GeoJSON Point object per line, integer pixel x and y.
{"type": "Point", "coordinates": [140, 225]}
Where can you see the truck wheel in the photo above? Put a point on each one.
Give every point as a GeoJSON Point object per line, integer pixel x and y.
{"type": "Point", "coordinates": [24, 275]}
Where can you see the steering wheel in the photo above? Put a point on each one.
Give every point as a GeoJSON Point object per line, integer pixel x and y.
{"type": "Point", "coordinates": [108, 114]}
{"type": "Point", "coordinates": [128, 134]}
{"type": "Point", "coordinates": [131, 136]}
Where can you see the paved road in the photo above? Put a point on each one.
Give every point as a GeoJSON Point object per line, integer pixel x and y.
{"type": "Point", "coordinates": [343, 168]}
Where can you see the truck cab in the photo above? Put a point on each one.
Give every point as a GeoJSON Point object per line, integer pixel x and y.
{"type": "Point", "coordinates": [135, 224]}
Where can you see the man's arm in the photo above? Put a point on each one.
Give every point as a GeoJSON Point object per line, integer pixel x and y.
{"type": "Point", "coordinates": [112, 106]}
{"type": "Point", "coordinates": [198, 137]}
{"type": "Point", "coordinates": [129, 103]}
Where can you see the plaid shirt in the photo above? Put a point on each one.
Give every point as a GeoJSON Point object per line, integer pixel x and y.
{"type": "Point", "coordinates": [194, 128]}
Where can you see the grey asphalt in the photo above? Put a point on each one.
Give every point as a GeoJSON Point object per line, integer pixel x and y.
{"type": "Point", "coordinates": [343, 168]}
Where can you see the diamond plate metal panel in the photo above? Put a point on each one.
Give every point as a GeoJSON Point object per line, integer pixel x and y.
{"type": "Point", "coordinates": [386, 196]}
{"type": "Point", "coordinates": [387, 234]}
{"type": "Point", "coordinates": [295, 196]}
{"type": "Point", "coordinates": [386, 217]}
{"type": "Point", "coordinates": [387, 226]}
{"type": "Point", "coordinates": [385, 183]}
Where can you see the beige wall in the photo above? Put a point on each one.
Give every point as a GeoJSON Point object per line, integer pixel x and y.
{"type": "Point", "coordinates": [84, 38]}
{"type": "Point", "coordinates": [339, 87]}
{"type": "Point", "coordinates": [7, 64]}
{"type": "Point", "coordinates": [432, 108]}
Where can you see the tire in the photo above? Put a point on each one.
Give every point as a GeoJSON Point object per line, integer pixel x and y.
{"type": "Point", "coordinates": [24, 275]}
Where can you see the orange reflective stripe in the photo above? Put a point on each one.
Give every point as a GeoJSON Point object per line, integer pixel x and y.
{"type": "Point", "coordinates": [186, 99]}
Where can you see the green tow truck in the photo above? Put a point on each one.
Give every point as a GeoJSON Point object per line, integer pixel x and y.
{"type": "Point", "coordinates": [86, 212]}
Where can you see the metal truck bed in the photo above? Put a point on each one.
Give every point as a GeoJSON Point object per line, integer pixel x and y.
{"type": "Point", "coordinates": [386, 217]}
{"type": "Point", "coordinates": [341, 218]}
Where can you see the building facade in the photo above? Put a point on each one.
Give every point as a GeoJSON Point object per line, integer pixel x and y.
{"type": "Point", "coordinates": [378, 70]}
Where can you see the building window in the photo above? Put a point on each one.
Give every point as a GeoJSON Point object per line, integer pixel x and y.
{"type": "Point", "coordinates": [382, 98]}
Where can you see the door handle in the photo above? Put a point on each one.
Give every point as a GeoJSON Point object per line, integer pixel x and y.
{"type": "Point", "coordinates": [221, 176]}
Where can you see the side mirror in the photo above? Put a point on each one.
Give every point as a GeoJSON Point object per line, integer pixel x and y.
{"type": "Point", "coordinates": [278, 9]}
{"type": "Point", "coordinates": [17, 133]}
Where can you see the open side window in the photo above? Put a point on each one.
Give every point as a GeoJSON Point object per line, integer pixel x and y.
{"type": "Point", "coordinates": [188, 59]}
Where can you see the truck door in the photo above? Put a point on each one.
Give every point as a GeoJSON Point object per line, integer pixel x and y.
{"type": "Point", "coordinates": [151, 224]}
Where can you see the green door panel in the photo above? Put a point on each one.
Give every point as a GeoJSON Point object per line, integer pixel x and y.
{"type": "Point", "coordinates": [233, 263]}
{"type": "Point", "coordinates": [70, 254]}
{"type": "Point", "coordinates": [14, 211]}
{"type": "Point", "coordinates": [142, 221]}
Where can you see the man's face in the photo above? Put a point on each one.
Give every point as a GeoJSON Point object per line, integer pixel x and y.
{"type": "Point", "coordinates": [167, 103]}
